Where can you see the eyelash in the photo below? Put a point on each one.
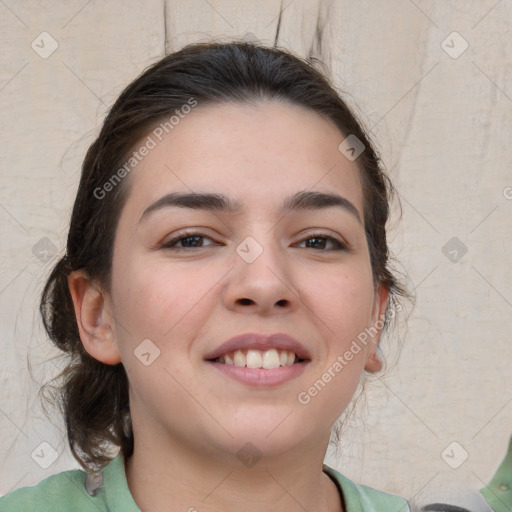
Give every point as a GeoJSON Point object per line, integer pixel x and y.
{"type": "Point", "coordinates": [169, 245]}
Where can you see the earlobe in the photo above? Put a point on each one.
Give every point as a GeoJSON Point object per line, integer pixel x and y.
{"type": "Point", "coordinates": [94, 323]}
{"type": "Point", "coordinates": [374, 360]}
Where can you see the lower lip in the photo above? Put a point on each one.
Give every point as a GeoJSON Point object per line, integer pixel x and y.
{"type": "Point", "coordinates": [261, 376]}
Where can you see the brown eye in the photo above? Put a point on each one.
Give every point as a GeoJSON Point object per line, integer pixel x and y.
{"type": "Point", "coordinates": [319, 241]}
{"type": "Point", "coordinates": [188, 241]}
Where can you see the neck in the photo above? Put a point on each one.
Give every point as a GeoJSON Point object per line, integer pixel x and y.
{"type": "Point", "coordinates": [180, 478]}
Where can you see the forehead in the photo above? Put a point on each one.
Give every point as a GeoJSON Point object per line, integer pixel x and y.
{"type": "Point", "coordinates": [256, 153]}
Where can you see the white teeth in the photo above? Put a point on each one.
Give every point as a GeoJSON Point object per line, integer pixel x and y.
{"type": "Point", "coordinates": [271, 359]}
{"type": "Point", "coordinates": [252, 358]}
{"type": "Point", "coordinates": [240, 359]}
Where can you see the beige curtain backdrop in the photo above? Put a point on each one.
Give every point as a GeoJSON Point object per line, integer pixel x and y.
{"type": "Point", "coordinates": [432, 82]}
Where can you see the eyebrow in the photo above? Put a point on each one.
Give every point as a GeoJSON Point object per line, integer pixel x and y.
{"type": "Point", "coordinates": [302, 200]}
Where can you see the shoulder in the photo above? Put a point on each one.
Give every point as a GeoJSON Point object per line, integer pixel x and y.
{"type": "Point", "coordinates": [67, 491]}
{"type": "Point", "coordinates": [58, 493]}
{"type": "Point", "coordinates": [361, 498]}
{"type": "Point", "coordinates": [498, 492]}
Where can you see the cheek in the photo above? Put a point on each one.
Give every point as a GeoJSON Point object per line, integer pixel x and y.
{"type": "Point", "coordinates": [343, 301]}
{"type": "Point", "coordinates": [342, 311]}
{"type": "Point", "coordinates": [156, 299]}
{"type": "Point", "coordinates": [153, 302]}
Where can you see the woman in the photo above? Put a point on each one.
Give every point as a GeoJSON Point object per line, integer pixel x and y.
{"type": "Point", "coordinates": [225, 284]}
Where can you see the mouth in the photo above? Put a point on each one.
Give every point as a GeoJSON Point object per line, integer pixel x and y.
{"type": "Point", "coordinates": [264, 359]}
{"type": "Point", "coordinates": [258, 375]}
{"type": "Point", "coordinates": [261, 350]}
{"type": "Point", "coordinates": [260, 360]}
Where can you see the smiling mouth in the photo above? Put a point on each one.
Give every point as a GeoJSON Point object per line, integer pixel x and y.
{"type": "Point", "coordinates": [252, 358]}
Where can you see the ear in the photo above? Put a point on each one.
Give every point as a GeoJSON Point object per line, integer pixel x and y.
{"type": "Point", "coordinates": [373, 362]}
{"type": "Point", "coordinates": [93, 318]}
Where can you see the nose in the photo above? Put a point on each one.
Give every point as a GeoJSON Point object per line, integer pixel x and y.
{"type": "Point", "coordinates": [263, 284]}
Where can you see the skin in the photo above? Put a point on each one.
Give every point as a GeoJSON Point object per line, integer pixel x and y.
{"type": "Point", "coordinates": [189, 420]}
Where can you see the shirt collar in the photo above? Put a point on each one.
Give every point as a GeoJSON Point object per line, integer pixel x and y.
{"type": "Point", "coordinates": [117, 492]}
{"type": "Point", "coordinates": [119, 497]}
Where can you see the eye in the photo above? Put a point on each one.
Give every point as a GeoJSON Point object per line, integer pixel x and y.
{"type": "Point", "coordinates": [189, 240]}
{"type": "Point", "coordinates": [320, 240]}
{"type": "Point", "coordinates": [195, 240]}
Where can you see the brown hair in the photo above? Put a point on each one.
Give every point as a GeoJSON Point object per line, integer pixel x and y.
{"type": "Point", "coordinates": [94, 396]}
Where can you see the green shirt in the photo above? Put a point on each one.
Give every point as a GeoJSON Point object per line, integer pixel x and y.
{"type": "Point", "coordinates": [65, 492]}
{"type": "Point", "coordinates": [498, 493]}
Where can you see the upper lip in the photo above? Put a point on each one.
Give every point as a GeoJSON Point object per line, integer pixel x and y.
{"type": "Point", "coordinates": [259, 341]}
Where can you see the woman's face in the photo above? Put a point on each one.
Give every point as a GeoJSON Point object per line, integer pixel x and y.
{"type": "Point", "coordinates": [259, 269]}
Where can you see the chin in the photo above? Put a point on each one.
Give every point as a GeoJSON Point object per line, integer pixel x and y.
{"type": "Point", "coordinates": [267, 436]}
{"type": "Point", "coordinates": [249, 449]}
